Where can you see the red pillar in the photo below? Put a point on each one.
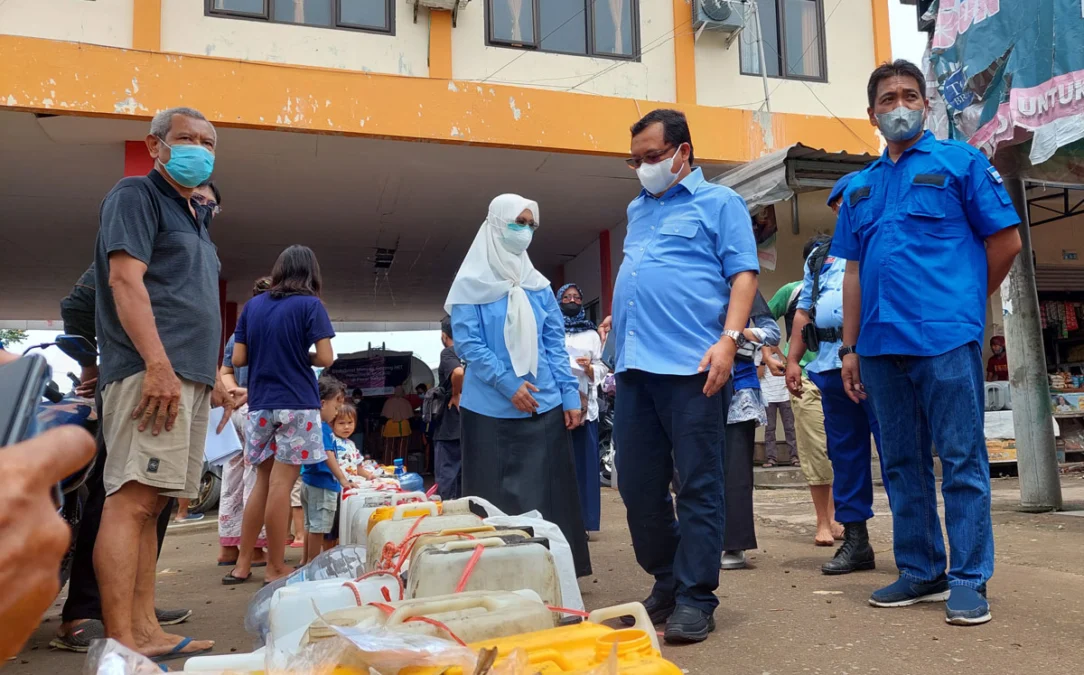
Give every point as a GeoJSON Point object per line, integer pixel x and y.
{"type": "Point", "coordinates": [137, 161]}
{"type": "Point", "coordinates": [606, 268]}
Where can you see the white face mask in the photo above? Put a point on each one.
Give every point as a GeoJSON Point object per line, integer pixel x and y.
{"type": "Point", "coordinates": [516, 238]}
{"type": "Point", "coordinates": [657, 178]}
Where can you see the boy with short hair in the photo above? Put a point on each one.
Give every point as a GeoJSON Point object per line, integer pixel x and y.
{"type": "Point", "coordinates": [321, 483]}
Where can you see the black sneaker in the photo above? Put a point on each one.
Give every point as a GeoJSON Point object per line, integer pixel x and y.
{"type": "Point", "coordinates": [658, 609]}
{"type": "Point", "coordinates": [688, 625]}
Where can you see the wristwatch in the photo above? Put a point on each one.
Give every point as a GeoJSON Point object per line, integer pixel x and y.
{"type": "Point", "coordinates": [846, 350]}
{"type": "Point", "coordinates": [736, 336]}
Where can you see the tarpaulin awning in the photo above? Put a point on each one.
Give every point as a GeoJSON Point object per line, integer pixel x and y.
{"type": "Point", "coordinates": [780, 175]}
{"type": "Point", "coordinates": [1003, 73]}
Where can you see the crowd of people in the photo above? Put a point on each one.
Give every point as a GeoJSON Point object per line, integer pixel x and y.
{"type": "Point", "coordinates": [883, 341]}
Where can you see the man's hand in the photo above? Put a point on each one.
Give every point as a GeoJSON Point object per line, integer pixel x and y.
{"type": "Point", "coordinates": [605, 327]}
{"type": "Point", "coordinates": [719, 361]}
{"type": "Point", "coordinates": [852, 379]}
{"type": "Point", "coordinates": [794, 379]}
{"type": "Point", "coordinates": [88, 382]}
{"type": "Point", "coordinates": [523, 400]}
{"type": "Point", "coordinates": [161, 398]}
{"type": "Point", "coordinates": [572, 419]}
{"type": "Point", "coordinates": [33, 538]}
{"type": "Point", "coordinates": [776, 366]}
{"type": "Point", "coordinates": [239, 396]}
{"type": "Point", "coordinates": [454, 401]}
{"type": "Point", "coordinates": [585, 363]}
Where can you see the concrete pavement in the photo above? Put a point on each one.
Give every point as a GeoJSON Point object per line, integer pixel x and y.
{"type": "Point", "coordinates": [780, 616]}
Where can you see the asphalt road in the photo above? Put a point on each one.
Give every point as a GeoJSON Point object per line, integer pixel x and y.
{"type": "Point", "coordinates": [779, 616]}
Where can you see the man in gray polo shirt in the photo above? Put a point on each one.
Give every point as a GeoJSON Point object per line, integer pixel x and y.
{"type": "Point", "coordinates": [158, 324]}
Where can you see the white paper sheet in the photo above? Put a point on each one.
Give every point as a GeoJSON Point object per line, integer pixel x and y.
{"type": "Point", "coordinates": [220, 447]}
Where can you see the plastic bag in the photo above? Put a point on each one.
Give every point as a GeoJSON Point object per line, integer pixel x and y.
{"type": "Point", "coordinates": [389, 652]}
{"type": "Point", "coordinates": [109, 657]}
{"type": "Point", "coordinates": [341, 562]}
{"type": "Point", "coordinates": [562, 552]}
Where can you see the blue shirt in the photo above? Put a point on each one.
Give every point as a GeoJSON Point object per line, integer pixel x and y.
{"type": "Point", "coordinates": [672, 290]}
{"type": "Point", "coordinates": [916, 228]}
{"type": "Point", "coordinates": [319, 475]}
{"type": "Point", "coordinates": [278, 333]}
{"type": "Point", "coordinates": [829, 310]}
{"type": "Point", "coordinates": [489, 381]}
{"type": "Point", "coordinates": [239, 374]}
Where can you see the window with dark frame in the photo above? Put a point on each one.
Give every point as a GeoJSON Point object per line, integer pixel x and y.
{"type": "Point", "coordinates": [793, 40]}
{"type": "Point", "coordinates": [376, 16]}
{"type": "Point", "coordinates": [602, 28]}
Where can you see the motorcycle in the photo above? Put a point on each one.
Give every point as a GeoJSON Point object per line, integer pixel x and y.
{"type": "Point", "coordinates": [210, 489]}
{"type": "Point", "coordinates": [60, 409]}
{"type": "Point", "coordinates": [606, 437]}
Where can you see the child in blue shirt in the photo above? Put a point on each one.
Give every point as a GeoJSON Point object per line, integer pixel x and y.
{"type": "Point", "coordinates": [322, 482]}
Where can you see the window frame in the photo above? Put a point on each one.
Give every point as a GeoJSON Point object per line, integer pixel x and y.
{"type": "Point", "coordinates": [780, 24]}
{"type": "Point", "coordinates": [589, 27]}
{"type": "Point", "coordinates": [268, 16]}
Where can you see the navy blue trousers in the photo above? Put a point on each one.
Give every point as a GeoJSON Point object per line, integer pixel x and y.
{"type": "Point", "coordinates": [848, 426]}
{"type": "Point", "coordinates": [585, 454]}
{"type": "Point", "coordinates": [663, 423]}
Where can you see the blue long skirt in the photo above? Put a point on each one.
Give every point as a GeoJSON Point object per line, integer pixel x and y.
{"type": "Point", "coordinates": [585, 453]}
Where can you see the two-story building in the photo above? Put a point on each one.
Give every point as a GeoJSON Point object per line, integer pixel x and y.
{"type": "Point", "coordinates": [377, 131]}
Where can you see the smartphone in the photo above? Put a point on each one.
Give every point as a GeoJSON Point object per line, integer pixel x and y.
{"type": "Point", "coordinates": [22, 384]}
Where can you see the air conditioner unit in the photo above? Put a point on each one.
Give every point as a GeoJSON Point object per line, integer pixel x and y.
{"type": "Point", "coordinates": [727, 16]}
{"type": "Point", "coordinates": [448, 5]}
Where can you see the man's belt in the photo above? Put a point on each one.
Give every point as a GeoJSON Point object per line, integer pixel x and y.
{"type": "Point", "coordinates": [830, 334]}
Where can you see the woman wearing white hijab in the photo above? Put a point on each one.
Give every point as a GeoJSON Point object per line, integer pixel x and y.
{"type": "Point", "coordinates": [519, 396]}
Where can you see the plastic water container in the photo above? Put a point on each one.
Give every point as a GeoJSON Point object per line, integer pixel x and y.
{"type": "Point", "coordinates": [224, 663]}
{"type": "Point", "coordinates": [998, 396]}
{"type": "Point", "coordinates": [359, 506]}
{"type": "Point", "coordinates": [411, 482]}
{"type": "Point", "coordinates": [470, 616]}
{"type": "Point", "coordinates": [428, 541]}
{"type": "Point", "coordinates": [501, 566]}
{"type": "Point", "coordinates": [580, 649]}
{"type": "Point", "coordinates": [395, 529]}
{"type": "Point", "coordinates": [293, 608]}
{"type": "Point", "coordinates": [382, 513]}
{"type": "Point", "coordinates": [399, 470]}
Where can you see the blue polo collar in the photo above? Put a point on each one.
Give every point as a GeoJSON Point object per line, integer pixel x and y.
{"type": "Point", "coordinates": [691, 183]}
{"type": "Point", "coordinates": [925, 144]}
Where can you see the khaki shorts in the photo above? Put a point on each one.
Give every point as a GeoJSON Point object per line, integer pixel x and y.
{"type": "Point", "coordinates": [171, 461]}
{"type": "Point", "coordinates": [295, 494]}
{"type": "Point", "coordinates": [809, 428]}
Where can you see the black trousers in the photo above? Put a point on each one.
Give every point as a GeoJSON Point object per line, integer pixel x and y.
{"type": "Point", "coordinates": [738, 529]}
{"type": "Point", "coordinates": [665, 423]}
{"type": "Point", "coordinates": [84, 601]}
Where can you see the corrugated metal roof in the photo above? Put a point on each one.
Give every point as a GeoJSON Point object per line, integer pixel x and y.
{"type": "Point", "coordinates": [780, 175]}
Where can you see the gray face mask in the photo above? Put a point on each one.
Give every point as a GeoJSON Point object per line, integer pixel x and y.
{"type": "Point", "coordinates": [901, 124]}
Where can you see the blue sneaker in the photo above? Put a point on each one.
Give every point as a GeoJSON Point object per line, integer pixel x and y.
{"type": "Point", "coordinates": [967, 607]}
{"type": "Point", "coordinates": [904, 593]}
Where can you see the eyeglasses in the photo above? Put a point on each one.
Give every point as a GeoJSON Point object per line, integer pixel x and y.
{"type": "Point", "coordinates": [649, 158]}
{"type": "Point", "coordinates": [209, 203]}
{"type": "Point", "coordinates": [529, 223]}
{"type": "Point", "coordinates": [572, 298]}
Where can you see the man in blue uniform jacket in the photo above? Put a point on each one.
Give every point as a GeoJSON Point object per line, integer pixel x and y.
{"type": "Point", "coordinates": [928, 231]}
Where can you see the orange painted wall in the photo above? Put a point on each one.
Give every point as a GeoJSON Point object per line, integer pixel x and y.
{"type": "Point", "coordinates": [62, 77]}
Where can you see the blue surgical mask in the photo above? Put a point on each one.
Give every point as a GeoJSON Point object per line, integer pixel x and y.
{"type": "Point", "coordinates": [189, 165]}
{"type": "Point", "coordinates": [517, 238]}
{"type": "Point", "coordinates": [901, 124]}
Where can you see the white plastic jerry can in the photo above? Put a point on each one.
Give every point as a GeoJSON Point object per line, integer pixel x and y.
{"type": "Point", "coordinates": [468, 616]}
{"type": "Point", "coordinates": [228, 663]}
{"type": "Point", "coordinates": [465, 534]}
{"type": "Point", "coordinates": [398, 528]}
{"type": "Point", "coordinates": [500, 566]}
{"type": "Point", "coordinates": [294, 607]}
{"type": "Point", "coordinates": [357, 508]}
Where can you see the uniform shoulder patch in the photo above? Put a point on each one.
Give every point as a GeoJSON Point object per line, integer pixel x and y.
{"type": "Point", "coordinates": [994, 175]}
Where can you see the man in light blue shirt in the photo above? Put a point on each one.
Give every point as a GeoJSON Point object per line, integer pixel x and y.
{"type": "Point", "coordinates": [928, 232]}
{"type": "Point", "coordinates": [681, 302]}
{"type": "Point", "coordinates": [847, 424]}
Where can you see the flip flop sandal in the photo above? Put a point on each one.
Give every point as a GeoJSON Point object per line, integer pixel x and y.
{"type": "Point", "coordinates": [231, 580]}
{"type": "Point", "coordinates": [234, 564]}
{"type": "Point", "coordinates": [177, 653]}
{"type": "Point", "coordinates": [79, 639]}
{"type": "Point", "coordinates": [171, 617]}
{"type": "Point", "coordinates": [769, 464]}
